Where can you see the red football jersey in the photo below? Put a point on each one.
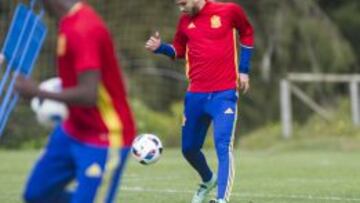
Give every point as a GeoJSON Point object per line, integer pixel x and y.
{"type": "Point", "coordinates": [85, 44]}
{"type": "Point", "coordinates": [208, 41]}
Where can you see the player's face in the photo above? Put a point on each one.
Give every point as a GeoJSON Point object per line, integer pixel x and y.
{"type": "Point", "coordinates": [188, 6]}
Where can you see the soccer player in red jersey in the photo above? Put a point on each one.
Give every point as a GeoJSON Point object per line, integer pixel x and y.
{"type": "Point", "coordinates": [206, 37]}
{"type": "Point", "coordinates": [92, 145]}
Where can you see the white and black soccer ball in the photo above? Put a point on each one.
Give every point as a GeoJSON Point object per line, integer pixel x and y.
{"type": "Point", "coordinates": [147, 149]}
{"type": "Point", "coordinates": [49, 112]}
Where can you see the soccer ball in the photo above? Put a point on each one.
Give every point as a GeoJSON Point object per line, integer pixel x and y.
{"type": "Point", "coordinates": [49, 112]}
{"type": "Point", "coordinates": [147, 149]}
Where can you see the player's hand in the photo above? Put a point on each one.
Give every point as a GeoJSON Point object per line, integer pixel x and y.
{"type": "Point", "coordinates": [154, 42]}
{"type": "Point", "coordinates": [27, 88]}
{"type": "Point", "coordinates": [244, 83]}
{"type": "Point", "coordinates": [2, 58]}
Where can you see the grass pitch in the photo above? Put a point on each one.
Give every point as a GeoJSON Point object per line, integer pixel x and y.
{"type": "Point", "coordinates": [261, 177]}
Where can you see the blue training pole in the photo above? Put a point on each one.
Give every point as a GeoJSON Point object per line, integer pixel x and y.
{"type": "Point", "coordinates": [15, 98]}
{"type": "Point", "coordinates": [16, 50]}
{"type": "Point", "coordinates": [7, 104]}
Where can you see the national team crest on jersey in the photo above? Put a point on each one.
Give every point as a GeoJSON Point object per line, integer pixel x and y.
{"type": "Point", "coordinates": [215, 21]}
{"type": "Point", "coordinates": [61, 45]}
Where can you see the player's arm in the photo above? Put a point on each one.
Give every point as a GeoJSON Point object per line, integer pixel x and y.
{"type": "Point", "coordinates": [86, 61]}
{"type": "Point", "coordinates": [246, 32]}
{"type": "Point", "coordinates": [175, 50]}
{"type": "Point", "coordinates": [85, 93]}
{"type": "Point", "coordinates": [155, 45]}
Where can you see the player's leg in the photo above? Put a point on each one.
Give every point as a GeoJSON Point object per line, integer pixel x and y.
{"type": "Point", "coordinates": [195, 126]}
{"type": "Point", "coordinates": [98, 173]}
{"type": "Point", "coordinates": [116, 180]}
{"type": "Point", "coordinates": [90, 167]}
{"type": "Point", "coordinates": [224, 112]}
{"type": "Point", "coordinates": [52, 172]}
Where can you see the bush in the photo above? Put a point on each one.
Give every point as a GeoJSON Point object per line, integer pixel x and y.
{"type": "Point", "coordinates": [166, 125]}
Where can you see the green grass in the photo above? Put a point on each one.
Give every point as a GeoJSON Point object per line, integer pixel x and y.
{"type": "Point", "coordinates": [262, 177]}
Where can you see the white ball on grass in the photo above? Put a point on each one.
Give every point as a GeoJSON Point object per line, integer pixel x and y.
{"type": "Point", "coordinates": [147, 149]}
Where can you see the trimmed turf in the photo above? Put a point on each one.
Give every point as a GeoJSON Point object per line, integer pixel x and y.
{"type": "Point", "coordinates": [262, 177]}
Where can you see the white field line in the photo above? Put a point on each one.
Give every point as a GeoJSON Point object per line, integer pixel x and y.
{"type": "Point", "coordinates": [314, 180]}
{"type": "Point", "coordinates": [246, 195]}
{"type": "Point", "coordinates": [151, 179]}
{"type": "Point", "coordinates": [136, 177]}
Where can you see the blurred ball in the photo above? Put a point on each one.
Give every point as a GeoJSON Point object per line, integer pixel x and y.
{"type": "Point", "coordinates": [49, 112]}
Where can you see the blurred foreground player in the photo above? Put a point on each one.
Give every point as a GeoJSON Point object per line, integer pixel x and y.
{"type": "Point", "coordinates": [92, 145]}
